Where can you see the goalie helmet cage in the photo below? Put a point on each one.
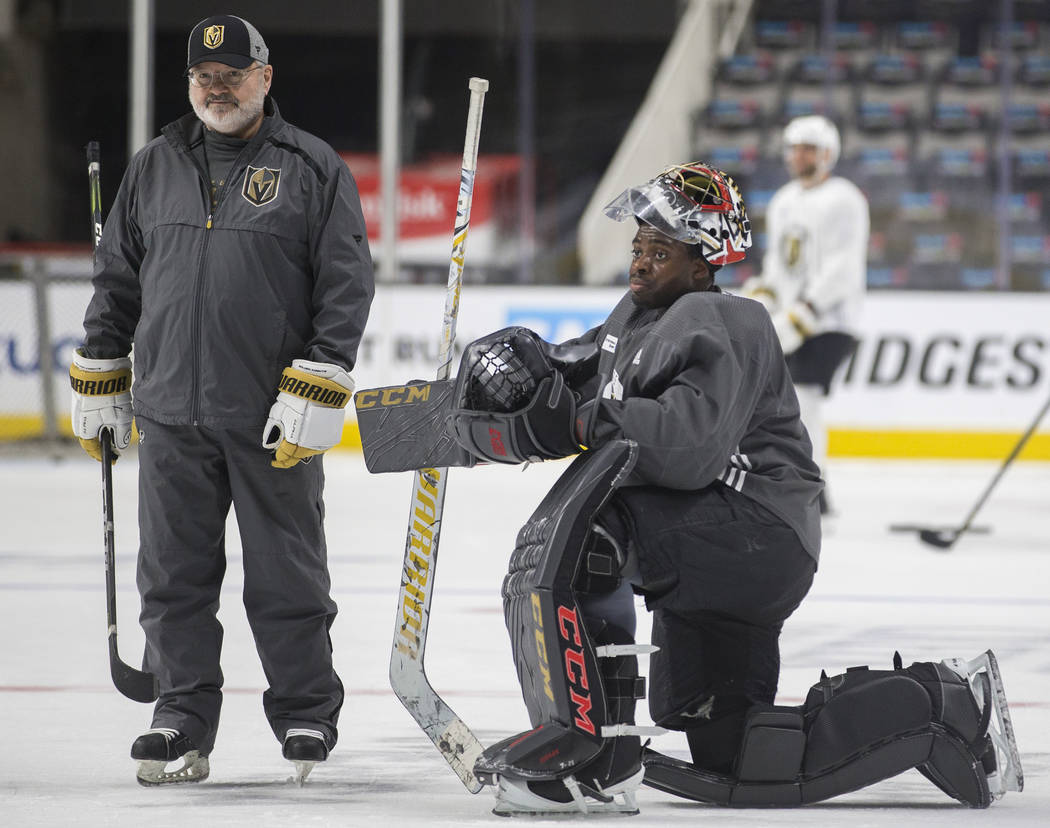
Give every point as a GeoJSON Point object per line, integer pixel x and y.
{"type": "Point", "coordinates": [453, 739]}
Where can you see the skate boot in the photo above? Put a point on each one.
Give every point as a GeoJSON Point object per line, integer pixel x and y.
{"type": "Point", "coordinates": [607, 782]}
{"type": "Point", "coordinates": [155, 748]}
{"type": "Point", "coordinates": [304, 748]}
{"type": "Point", "coordinates": [1001, 759]}
{"type": "Point", "coordinates": [578, 793]}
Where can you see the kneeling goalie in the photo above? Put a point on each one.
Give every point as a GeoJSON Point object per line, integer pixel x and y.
{"type": "Point", "coordinates": [697, 490]}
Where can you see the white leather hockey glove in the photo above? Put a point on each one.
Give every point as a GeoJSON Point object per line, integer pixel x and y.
{"type": "Point", "coordinates": [755, 288]}
{"type": "Point", "coordinates": [795, 325]}
{"type": "Point", "coordinates": [307, 418]}
{"type": "Point", "coordinates": [101, 399]}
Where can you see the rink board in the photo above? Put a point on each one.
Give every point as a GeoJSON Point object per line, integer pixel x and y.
{"type": "Point", "coordinates": [935, 374]}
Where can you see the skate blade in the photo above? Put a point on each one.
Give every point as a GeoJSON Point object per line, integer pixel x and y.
{"type": "Point", "coordinates": [511, 802]}
{"type": "Point", "coordinates": [594, 809]}
{"type": "Point", "coordinates": [194, 769]}
{"type": "Point", "coordinates": [302, 770]}
{"type": "Point", "coordinates": [1009, 775]}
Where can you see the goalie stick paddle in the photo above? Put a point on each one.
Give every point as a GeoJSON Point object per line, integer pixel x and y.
{"type": "Point", "coordinates": [946, 538]}
{"type": "Point", "coordinates": [135, 684]}
{"type": "Point", "coordinates": [408, 678]}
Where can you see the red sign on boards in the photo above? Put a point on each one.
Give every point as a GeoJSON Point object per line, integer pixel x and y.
{"type": "Point", "coordinates": [428, 192]}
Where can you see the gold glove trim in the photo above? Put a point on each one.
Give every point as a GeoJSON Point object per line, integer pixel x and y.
{"type": "Point", "coordinates": [288, 454]}
{"type": "Point", "coordinates": [803, 329]}
{"type": "Point", "coordinates": [99, 383]}
{"type": "Point", "coordinates": [313, 388]}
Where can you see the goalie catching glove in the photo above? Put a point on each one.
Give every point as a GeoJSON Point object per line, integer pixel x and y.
{"type": "Point", "coordinates": [307, 418]}
{"type": "Point", "coordinates": [101, 399]}
{"type": "Point", "coordinates": [511, 405]}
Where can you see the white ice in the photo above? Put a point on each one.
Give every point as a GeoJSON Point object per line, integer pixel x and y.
{"type": "Point", "coordinates": [66, 732]}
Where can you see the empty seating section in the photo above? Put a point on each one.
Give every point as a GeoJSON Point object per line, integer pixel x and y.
{"type": "Point", "coordinates": [925, 133]}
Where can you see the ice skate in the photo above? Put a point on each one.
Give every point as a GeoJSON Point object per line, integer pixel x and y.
{"type": "Point", "coordinates": [304, 748]}
{"type": "Point", "coordinates": [1003, 760]}
{"type": "Point", "coordinates": [156, 748]}
{"type": "Point", "coordinates": [515, 797]}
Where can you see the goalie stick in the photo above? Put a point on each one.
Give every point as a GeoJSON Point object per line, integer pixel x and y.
{"type": "Point", "coordinates": [135, 684]}
{"type": "Point", "coordinates": [408, 678]}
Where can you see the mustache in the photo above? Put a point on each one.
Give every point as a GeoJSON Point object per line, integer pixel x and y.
{"type": "Point", "coordinates": [228, 99]}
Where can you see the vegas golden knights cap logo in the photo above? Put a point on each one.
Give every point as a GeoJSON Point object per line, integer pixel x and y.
{"type": "Point", "coordinates": [260, 185]}
{"type": "Point", "coordinates": [213, 36]}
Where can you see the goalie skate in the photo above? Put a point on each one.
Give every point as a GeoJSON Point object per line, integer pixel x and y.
{"type": "Point", "coordinates": [986, 684]}
{"type": "Point", "coordinates": [515, 798]}
{"type": "Point", "coordinates": [156, 749]}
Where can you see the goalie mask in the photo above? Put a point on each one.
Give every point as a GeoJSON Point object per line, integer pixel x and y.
{"type": "Point", "coordinates": [695, 204]}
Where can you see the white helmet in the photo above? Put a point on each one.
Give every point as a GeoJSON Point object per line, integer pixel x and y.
{"type": "Point", "coordinates": [817, 131]}
{"type": "Point", "coordinates": [693, 203]}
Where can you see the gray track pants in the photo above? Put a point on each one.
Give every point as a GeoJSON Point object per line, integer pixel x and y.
{"type": "Point", "coordinates": [188, 478]}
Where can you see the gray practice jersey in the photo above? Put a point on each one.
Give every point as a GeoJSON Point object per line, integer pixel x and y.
{"type": "Point", "coordinates": [703, 390]}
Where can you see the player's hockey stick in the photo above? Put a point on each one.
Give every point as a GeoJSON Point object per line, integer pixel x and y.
{"type": "Point", "coordinates": [946, 538]}
{"type": "Point", "coordinates": [135, 684]}
{"type": "Point", "coordinates": [446, 730]}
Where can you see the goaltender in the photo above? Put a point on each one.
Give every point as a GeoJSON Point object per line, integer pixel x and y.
{"type": "Point", "coordinates": [697, 490]}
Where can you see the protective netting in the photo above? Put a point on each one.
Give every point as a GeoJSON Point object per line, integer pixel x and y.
{"type": "Point", "coordinates": [498, 379]}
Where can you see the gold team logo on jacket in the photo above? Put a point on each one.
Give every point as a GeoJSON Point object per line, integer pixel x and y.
{"type": "Point", "coordinates": [260, 185]}
{"type": "Point", "coordinates": [213, 36]}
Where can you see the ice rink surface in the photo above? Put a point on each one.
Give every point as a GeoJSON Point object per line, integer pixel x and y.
{"type": "Point", "coordinates": [66, 732]}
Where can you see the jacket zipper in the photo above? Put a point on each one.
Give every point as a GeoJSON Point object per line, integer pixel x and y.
{"type": "Point", "coordinates": [198, 302]}
{"type": "Point", "coordinates": [198, 288]}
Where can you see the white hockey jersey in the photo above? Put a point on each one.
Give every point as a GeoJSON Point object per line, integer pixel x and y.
{"type": "Point", "coordinates": [814, 272]}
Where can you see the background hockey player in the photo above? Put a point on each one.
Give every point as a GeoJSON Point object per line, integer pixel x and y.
{"type": "Point", "coordinates": [697, 490]}
{"type": "Point", "coordinates": [814, 272]}
{"type": "Point", "coordinates": [235, 257]}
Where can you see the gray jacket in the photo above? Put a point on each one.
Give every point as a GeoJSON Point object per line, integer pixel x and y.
{"type": "Point", "coordinates": [217, 303]}
{"type": "Point", "coordinates": [703, 389]}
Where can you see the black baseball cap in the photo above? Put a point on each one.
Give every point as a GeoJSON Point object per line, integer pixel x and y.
{"type": "Point", "coordinates": [226, 39]}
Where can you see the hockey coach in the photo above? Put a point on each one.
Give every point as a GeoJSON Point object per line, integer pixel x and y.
{"type": "Point", "coordinates": [235, 258]}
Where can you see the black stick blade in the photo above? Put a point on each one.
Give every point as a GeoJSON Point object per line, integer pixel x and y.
{"type": "Point", "coordinates": [134, 684]}
{"type": "Point", "coordinates": [941, 539]}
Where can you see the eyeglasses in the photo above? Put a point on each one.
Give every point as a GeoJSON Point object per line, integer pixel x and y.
{"type": "Point", "coordinates": [229, 77]}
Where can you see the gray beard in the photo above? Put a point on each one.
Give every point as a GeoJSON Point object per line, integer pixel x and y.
{"type": "Point", "coordinates": [234, 121]}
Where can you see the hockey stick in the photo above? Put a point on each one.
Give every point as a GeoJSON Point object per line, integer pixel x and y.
{"type": "Point", "coordinates": [946, 538]}
{"type": "Point", "coordinates": [446, 730]}
{"type": "Point", "coordinates": [135, 684]}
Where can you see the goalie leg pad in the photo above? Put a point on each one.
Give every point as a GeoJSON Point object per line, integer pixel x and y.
{"type": "Point", "coordinates": [857, 729]}
{"type": "Point", "coordinates": [579, 677]}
